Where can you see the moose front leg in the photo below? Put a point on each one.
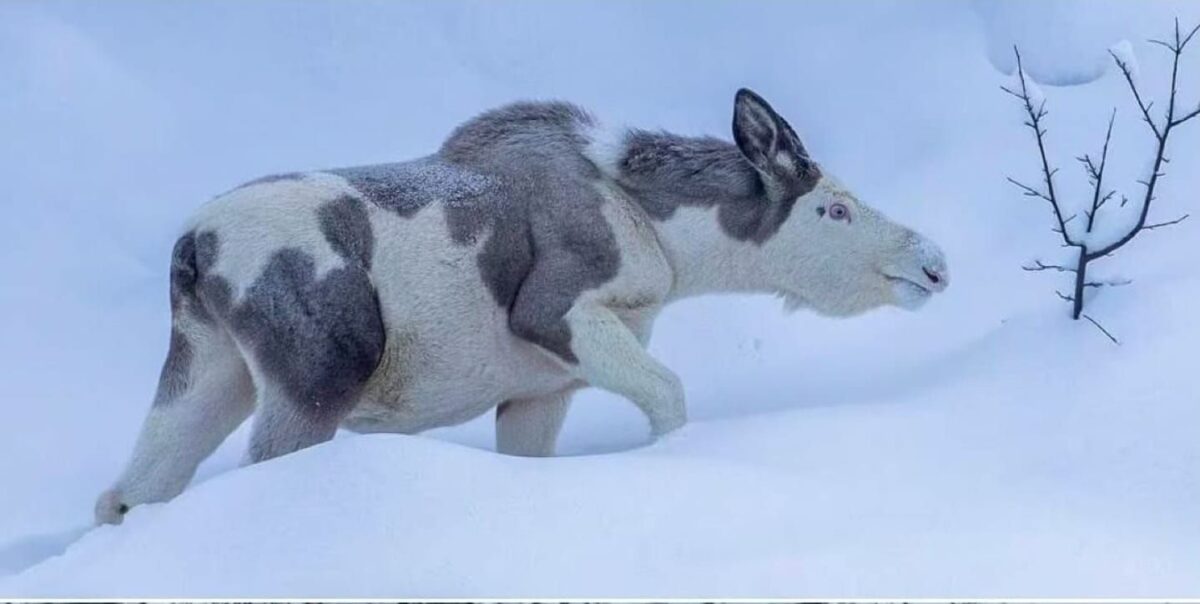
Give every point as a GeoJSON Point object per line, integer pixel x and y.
{"type": "Point", "coordinates": [529, 427]}
{"type": "Point", "coordinates": [611, 357]}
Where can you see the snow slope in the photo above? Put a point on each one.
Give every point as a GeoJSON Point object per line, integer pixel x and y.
{"type": "Point", "coordinates": [950, 487]}
{"type": "Point", "coordinates": [984, 446]}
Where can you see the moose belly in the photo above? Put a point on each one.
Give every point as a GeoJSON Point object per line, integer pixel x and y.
{"type": "Point", "coordinates": [427, 381]}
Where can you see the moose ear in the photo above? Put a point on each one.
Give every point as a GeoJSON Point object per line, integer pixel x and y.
{"type": "Point", "coordinates": [765, 138]}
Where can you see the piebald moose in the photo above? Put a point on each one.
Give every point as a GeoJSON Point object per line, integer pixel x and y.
{"type": "Point", "coordinates": [525, 259]}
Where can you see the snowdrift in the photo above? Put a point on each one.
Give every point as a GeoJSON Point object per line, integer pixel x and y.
{"type": "Point", "coordinates": [973, 487]}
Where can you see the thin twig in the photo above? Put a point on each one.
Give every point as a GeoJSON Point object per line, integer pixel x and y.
{"type": "Point", "coordinates": [1099, 284]}
{"type": "Point", "coordinates": [1097, 174]}
{"type": "Point", "coordinates": [1151, 227]}
{"type": "Point", "coordinates": [1189, 36]}
{"type": "Point", "coordinates": [1030, 191]}
{"type": "Point", "coordinates": [1136, 95]}
{"type": "Point", "coordinates": [1187, 117]}
{"type": "Point", "coordinates": [1039, 266]}
{"type": "Point", "coordinates": [1035, 124]}
{"type": "Point", "coordinates": [1102, 330]}
{"type": "Point", "coordinates": [1162, 44]}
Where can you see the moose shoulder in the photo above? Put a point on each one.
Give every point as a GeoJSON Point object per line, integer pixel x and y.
{"type": "Point", "coordinates": [526, 259]}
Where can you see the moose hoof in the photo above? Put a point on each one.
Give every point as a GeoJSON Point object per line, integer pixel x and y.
{"type": "Point", "coordinates": [109, 508]}
{"type": "Point", "coordinates": [666, 426]}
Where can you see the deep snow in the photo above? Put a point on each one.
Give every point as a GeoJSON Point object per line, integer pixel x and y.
{"type": "Point", "coordinates": [984, 446]}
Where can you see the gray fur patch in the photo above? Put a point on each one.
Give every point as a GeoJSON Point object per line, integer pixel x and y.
{"type": "Point", "coordinates": [193, 280]}
{"type": "Point", "coordinates": [216, 295]}
{"type": "Point", "coordinates": [281, 428]}
{"type": "Point", "coordinates": [347, 228]}
{"type": "Point", "coordinates": [664, 172]}
{"type": "Point", "coordinates": [175, 376]}
{"type": "Point", "coordinates": [519, 175]}
{"type": "Point", "coordinates": [544, 213]}
{"type": "Point", "coordinates": [207, 248]}
{"type": "Point", "coordinates": [522, 128]}
{"type": "Point", "coordinates": [319, 340]}
{"type": "Point", "coordinates": [407, 187]}
{"type": "Point", "coordinates": [190, 255]}
{"type": "Point", "coordinates": [183, 271]}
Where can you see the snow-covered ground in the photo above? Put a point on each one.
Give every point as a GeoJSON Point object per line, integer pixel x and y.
{"type": "Point", "coordinates": [985, 446]}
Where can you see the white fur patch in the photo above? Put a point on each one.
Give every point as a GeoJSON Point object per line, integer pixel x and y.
{"type": "Point", "coordinates": [255, 221]}
{"type": "Point", "coordinates": [606, 147]}
{"type": "Point", "coordinates": [705, 259]}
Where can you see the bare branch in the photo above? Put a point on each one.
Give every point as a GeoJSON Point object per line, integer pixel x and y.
{"type": "Point", "coordinates": [1160, 154]}
{"type": "Point", "coordinates": [1174, 77]}
{"type": "Point", "coordinates": [1095, 170]}
{"type": "Point", "coordinates": [1088, 165]}
{"type": "Point", "coordinates": [1136, 95]}
{"type": "Point", "coordinates": [1188, 38]}
{"type": "Point", "coordinates": [1012, 92]}
{"type": "Point", "coordinates": [1187, 117]}
{"type": "Point", "coordinates": [1097, 173]}
{"type": "Point", "coordinates": [1150, 227]}
{"type": "Point", "coordinates": [1104, 200]}
{"type": "Point", "coordinates": [1035, 123]}
{"type": "Point", "coordinates": [1162, 44]}
{"type": "Point", "coordinates": [1030, 191]}
{"type": "Point", "coordinates": [1110, 283]}
{"type": "Point", "coordinates": [1039, 266]}
{"type": "Point", "coordinates": [1102, 330]}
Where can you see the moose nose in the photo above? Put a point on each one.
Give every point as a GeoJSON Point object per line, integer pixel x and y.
{"type": "Point", "coordinates": [935, 277]}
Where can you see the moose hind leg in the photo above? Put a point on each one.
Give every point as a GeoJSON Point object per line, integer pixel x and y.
{"type": "Point", "coordinates": [284, 425]}
{"type": "Point", "coordinates": [204, 393]}
{"type": "Point", "coordinates": [313, 344]}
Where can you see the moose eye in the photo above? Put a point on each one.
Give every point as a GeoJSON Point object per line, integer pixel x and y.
{"type": "Point", "coordinates": [838, 211]}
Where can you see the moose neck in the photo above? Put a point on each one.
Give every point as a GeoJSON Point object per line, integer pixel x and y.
{"type": "Point", "coordinates": [705, 259]}
{"type": "Point", "coordinates": [709, 207]}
